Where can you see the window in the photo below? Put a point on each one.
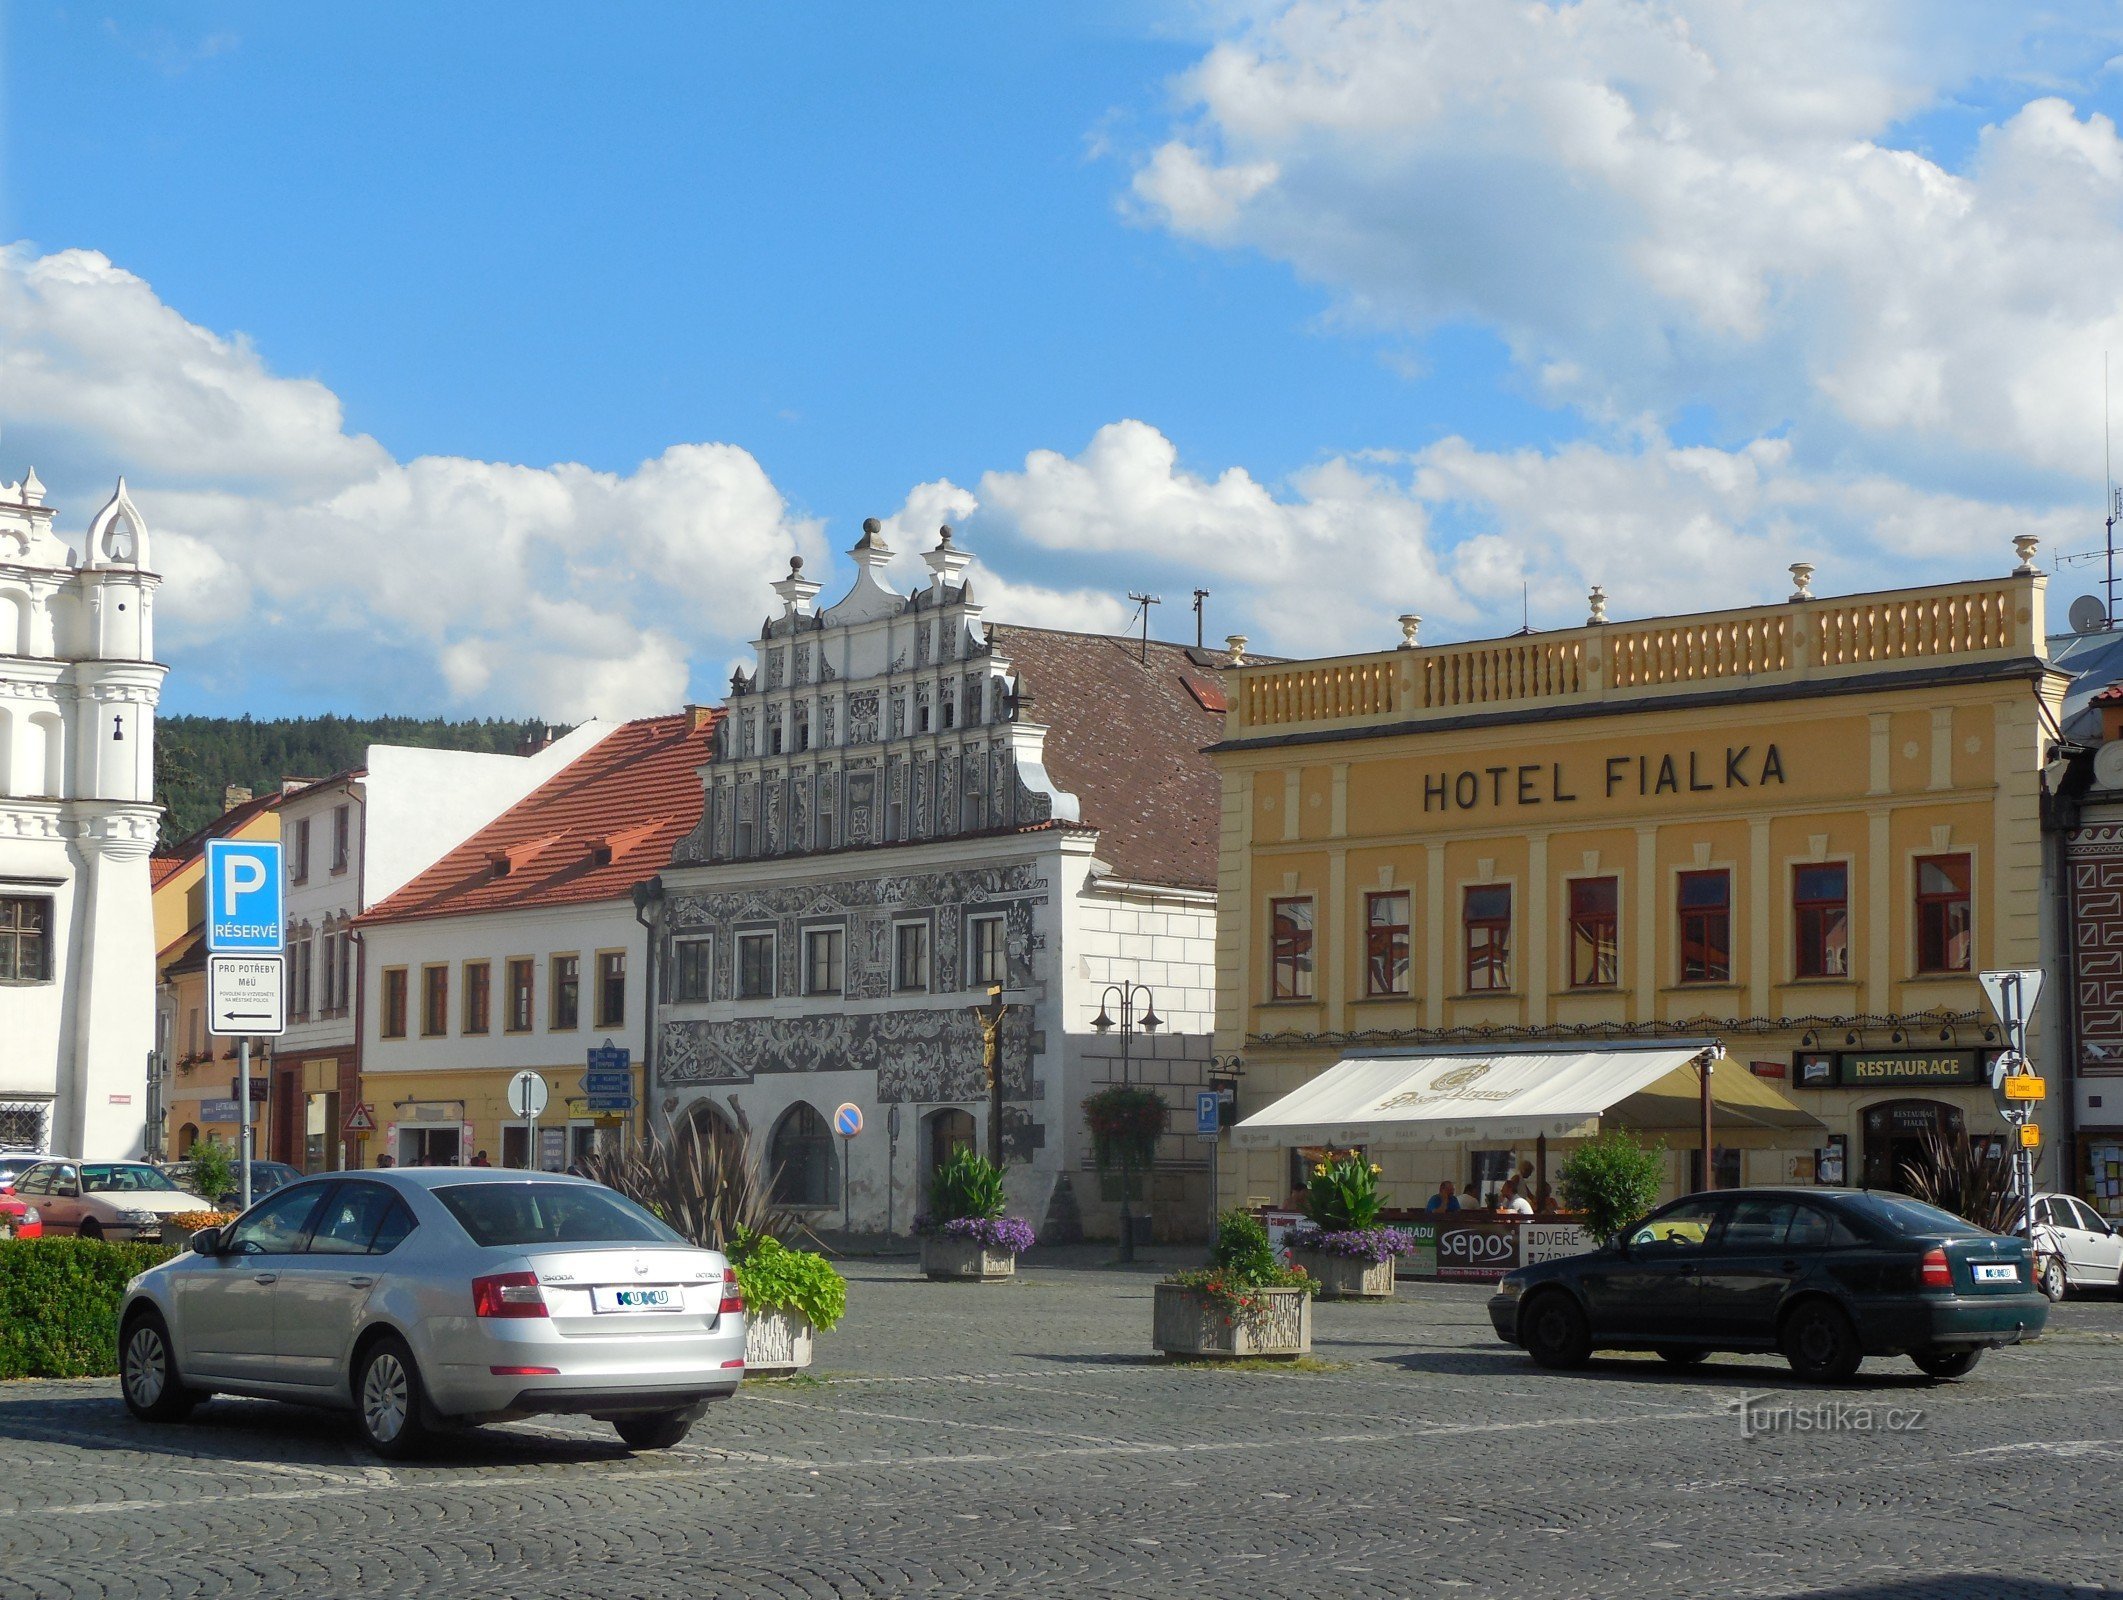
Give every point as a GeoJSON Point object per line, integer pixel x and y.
{"type": "Point", "coordinates": [694, 961]}
{"type": "Point", "coordinates": [1706, 926]}
{"type": "Point", "coordinates": [1290, 949]}
{"type": "Point", "coordinates": [478, 997]}
{"type": "Point", "coordinates": [567, 994]}
{"type": "Point", "coordinates": [352, 1221]}
{"type": "Point", "coordinates": [394, 1002]}
{"type": "Point", "coordinates": [988, 939]}
{"type": "Point", "coordinates": [523, 977]}
{"type": "Point", "coordinates": [1813, 1228]}
{"type": "Point", "coordinates": [1595, 933]}
{"type": "Point", "coordinates": [910, 960]}
{"type": "Point", "coordinates": [511, 1215]}
{"type": "Point", "coordinates": [611, 988]}
{"type": "Point", "coordinates": [26, 939]}
{"type": "Point", "coordinates": [1683, 1226]}
{"type": "Point", "coordinates": [342, 837]}
{"type": "Point", "coordinates": [755, 966]}
{"type": "Point", "coordinates": [1758, 1225]}
{"type": "Point", "coordinates": [1820, 908]}
{"type": "Point", "coordinates": [298, 979]}
{"type": "Point", "coordinates": [1386, 944]}
{"type": "Point", "coordinates": [1486, 915]}
{"type": "Point", "coordinates": [1945, 923]}
{"type": "Point", "coordinates": [277, 1226]}
{"type": "Point", "coordinates": [434, 1002]}
{"type": "Point", "coordinates": [298, 855]}
{"type": "Point", "coordinates": [821, 961]}
{"type": "Point", "coordinates": [801, 1157]}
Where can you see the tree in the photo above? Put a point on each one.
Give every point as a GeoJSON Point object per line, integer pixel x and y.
{"type": "Point", "coordinates": [1613, 1180]}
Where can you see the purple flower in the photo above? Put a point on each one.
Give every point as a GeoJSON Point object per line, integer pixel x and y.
{"type": "Point", "coordinates": [1361, 1244]}
{"type": "Point", "coordinates": [1010, 1234]}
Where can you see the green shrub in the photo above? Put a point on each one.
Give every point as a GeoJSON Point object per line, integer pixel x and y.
{"type": "Point", "coordinates": [59, 1304]}
{"type": "Point", "coordinates": [1341, 1195]}
{"type": "Point", "coordinates": [1613, 1180]}
{"type": "Point", "coordinates": [966, 1185]}
{"type": "Point", "coordinates": [213, 1168]}
{"type": "Point", "coordinates": [1242, 1250]}
{"type": "Point", "coordinates": [776, 1278]}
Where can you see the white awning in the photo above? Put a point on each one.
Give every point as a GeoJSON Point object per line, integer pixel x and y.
{"type": "Point", "coordinates": [1509, 1096]}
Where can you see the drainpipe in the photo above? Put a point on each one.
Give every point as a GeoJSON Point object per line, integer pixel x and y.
{"type": "Point", "coordinates": [648, 911]}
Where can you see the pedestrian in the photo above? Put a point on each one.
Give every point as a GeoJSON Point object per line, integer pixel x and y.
{"type": "Point", "coordinates": [1509, 1202]}
{"type": "Point", "coordinates": [385, 1161]}
{"type": "Point", "coordinates": [1445, 1199]}
{"type": "Point", "coordinates": [480, 1160]}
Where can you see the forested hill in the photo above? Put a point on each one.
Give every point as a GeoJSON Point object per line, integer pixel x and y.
{"type": "Point", "coordinates": [197, 758]}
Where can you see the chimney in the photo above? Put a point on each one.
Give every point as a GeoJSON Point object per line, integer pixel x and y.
{"type": "Point", "coordinates": [235, 795]}
{"type": "Point", "coordinates": [698, 717]}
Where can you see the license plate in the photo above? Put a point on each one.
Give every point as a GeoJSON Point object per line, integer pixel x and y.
{"type": "Point", "coordinates": [1997, 1272]}
{"type": "Point", "coordinates": [669, 1298]}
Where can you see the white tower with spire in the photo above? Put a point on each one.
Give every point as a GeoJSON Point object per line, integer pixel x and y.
{"type": "Point", "coordinates": [78, 689]}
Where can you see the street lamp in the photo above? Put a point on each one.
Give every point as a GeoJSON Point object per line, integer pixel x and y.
{"type": "Point", "coordinates": [1149, 1022]}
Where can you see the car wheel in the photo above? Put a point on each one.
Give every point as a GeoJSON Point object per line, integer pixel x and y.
{"type": "Point", "coordinates": [2054, 1282]}
{"type": "Point", "coordinates": [90, 1228]}
{"type": "Point", "coordinates": [1820, 1343]}
{"type": "Point", "coordinates": [1683, 1355]}
{"type": "Point", "coordinates": [659, 1430]}
{"type": "Point", "coordinates": [147, 1372]}
{"type": "Point", "coordinates": [1555, 1332]}
{"type": "Point", "coordinates": [1946, 1363]}
{"type": "Point", "coordinates": [389, 1400]}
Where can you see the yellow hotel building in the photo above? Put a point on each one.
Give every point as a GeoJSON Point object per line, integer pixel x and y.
{"type": "Point", "coordinates": [1798, 829]}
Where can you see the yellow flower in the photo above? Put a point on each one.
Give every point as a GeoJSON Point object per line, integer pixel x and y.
{"type": "Point", "coordinates": [1376, 1169]}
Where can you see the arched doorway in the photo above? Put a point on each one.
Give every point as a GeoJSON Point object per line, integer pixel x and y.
{"type": "Point", "coordinates": [800, 1155]}
{"type": "Point", "coordinates": [1895, 1131]}
{"type": "Point", "coordinates": [949, 1130]}
{"type": "Point", "coordinates": [187, 1136]}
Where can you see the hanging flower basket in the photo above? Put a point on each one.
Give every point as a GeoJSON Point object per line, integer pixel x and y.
{"type": "Point", "coordinates": [1126, 1123]}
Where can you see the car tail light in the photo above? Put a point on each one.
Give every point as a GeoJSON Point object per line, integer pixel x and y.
{"type": "Point", "coordinates": [733, 1298]}
{"type": "Point", "coordinates": [508, 1294]}
{"type": "Point", "coordinates": [525, 1372]}
{"type": "Point", "coordinates": [1936, 1272]}
{"type": "Point", "coordinates": [740, 1361]}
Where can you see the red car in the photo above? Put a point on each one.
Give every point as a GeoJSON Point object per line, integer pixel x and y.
{"type": "Point", "coordinates": [21, 1217]}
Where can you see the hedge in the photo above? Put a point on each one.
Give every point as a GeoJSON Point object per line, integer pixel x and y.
{"type": "Point", "coordinates": [59, 1304]}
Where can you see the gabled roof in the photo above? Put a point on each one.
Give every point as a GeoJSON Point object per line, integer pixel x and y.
{"type": "Point", "coordinates": [1126, 738]}
{"type": "Point", "coordinates": [590, 832]}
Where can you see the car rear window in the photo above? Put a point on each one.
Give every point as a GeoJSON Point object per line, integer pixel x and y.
{"type": "Point", "coordinates": [1908, 1216]}
{"type": "Point", "coordinates": [550, 1213]}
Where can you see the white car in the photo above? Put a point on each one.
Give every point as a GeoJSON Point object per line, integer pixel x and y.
{"type": "Point", "coordinates": [425, 1297]}
{"type": "Point", "coordinates": [104, 1199]}
{"type": "Point", "coordinates": [2077, 1247]}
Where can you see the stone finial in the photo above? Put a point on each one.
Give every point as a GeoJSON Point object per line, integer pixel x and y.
{"type": "Point", "coordinates": [871, 528]}
{"type": "Point", "coordinates": [943, 534]}
{"type": "Point", "coordinates": [1409, 623]}
{"type": "Point", "coordinates": [1802, 580]}
{"type": "Point", "coordinates": [1236, 644]}
{"type": "Point", "coordinates": [32, 488]}
{"type": "Point", "coordinates": [1597, 599]}
{"type": "Point", "coordinates": [2024, 546]}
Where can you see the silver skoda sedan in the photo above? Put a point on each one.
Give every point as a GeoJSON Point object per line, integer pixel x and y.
{"type": "Point", "coordinates": [424, 1298]}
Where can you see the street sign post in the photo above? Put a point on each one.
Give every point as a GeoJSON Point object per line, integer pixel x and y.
{"type": "Point", "coordinates": [1208, 1113]}
{"type": "Point", "coordinates": [847, 1122]}
{"type": "Point", "coordinates": [2012, 992]}
{"type": "Point", "coordinates": [608, 1085]}
{"type": "Point", "coordinates": [246, 915]}
{"type": "Point", "coordinates": [527, 1097]}
{"type": "Point", "coordinates": [360, 1122]}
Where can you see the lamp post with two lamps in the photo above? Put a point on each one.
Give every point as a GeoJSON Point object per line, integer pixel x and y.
{"type": "Point", "coordinates": [1149, 1022]}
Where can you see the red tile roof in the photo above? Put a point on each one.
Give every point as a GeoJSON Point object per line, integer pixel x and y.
{"type": "Point", "coordinates": [1126, 738]}
{"type": "Point", "coordinates": [592, 831]}
{"type": "Point", "coordinates": [2110, 696]}
{"type": "Point", "coordinates": [160, 869]}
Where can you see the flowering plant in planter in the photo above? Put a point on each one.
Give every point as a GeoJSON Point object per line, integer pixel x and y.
{"type": "Point", "coordinates": [772, 1277]}
{"type": "Point", "coordinates": [1241, 1264]}
{"type": "Point", "coordinates": [1358, 1244]}
{"type": "Point", "coordinates": [1010, 1234]}
{"type": "Point", "coordinates": [198, 1220]}
{"type": "Point", "coordinates": [1341, 1195]}
{"type": "Point", "coordinates": [966, 1202]}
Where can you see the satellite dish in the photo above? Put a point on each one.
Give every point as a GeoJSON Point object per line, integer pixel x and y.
{"type": "Point", "coordinates": [2108, 765]}
{"type": "Point", "coordinates": [2087, 615]}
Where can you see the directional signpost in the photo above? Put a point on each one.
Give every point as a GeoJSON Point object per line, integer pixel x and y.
{"type": "Point", "coordinates": [246, 929]}
{"type": "Point", "coordinates": [527, 1097]}
{"type": "Point", "coordinates": [2012, 993]}
{"type": "Point", "coordinates": [608, 1085]}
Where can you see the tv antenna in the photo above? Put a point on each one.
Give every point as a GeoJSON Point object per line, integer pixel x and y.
{"type": "Point", "coordinates": [1199, 596]}
{"type": "Point", "coordinates": [2082, 619]}
{"type": "Point", "coordinates": [1145, 601]}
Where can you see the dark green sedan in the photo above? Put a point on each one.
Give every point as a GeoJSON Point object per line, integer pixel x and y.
{"type": "Point", "coordinates": [1826, 1276]}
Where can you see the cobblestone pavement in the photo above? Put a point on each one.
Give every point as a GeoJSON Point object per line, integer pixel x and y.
{"type": "Point", "coordinates": [1017, 1439]}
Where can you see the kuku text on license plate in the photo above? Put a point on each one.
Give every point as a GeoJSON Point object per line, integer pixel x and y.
{"type": "Point", "coordinates": [656, 1297]}
{"type": "Point", "coordinates": [1997, 1272]}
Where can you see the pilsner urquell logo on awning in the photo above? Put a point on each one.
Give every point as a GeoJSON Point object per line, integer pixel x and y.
{"type": "Point", "coordinates": [1453, 1085]}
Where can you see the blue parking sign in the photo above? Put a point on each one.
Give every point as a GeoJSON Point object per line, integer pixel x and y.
{"type": "Point", "coordinates": [1208, 1113]}
{"type": "Point", "coordinates": [246, 898]}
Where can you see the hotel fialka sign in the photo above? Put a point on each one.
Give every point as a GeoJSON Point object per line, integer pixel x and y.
{"type": "Point", "coordinates": [1537, 783]}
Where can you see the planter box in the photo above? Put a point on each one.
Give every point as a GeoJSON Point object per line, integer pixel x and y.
{"type": "Point", "coordinates": [964, 1260]}
{"type": "Point", "coordinates": [1186, 1324]}
{"type": "Point", "coordinates": [1347, 1277]}
{"type": "Point", "coordinates": [777, 1343]}
{"type": "Point", "coordinates": [181, 1238]}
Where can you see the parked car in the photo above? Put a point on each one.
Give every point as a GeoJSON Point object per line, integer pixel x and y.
{"type": "Point", "coordinates": [266, 1176]}
{"type": "Point", "coordinates": [104, 1199]}
{"type": "Point", "coordinates": [13, 1166]}
{"type": "Point", "coordinates": [1828, 1277]}
{"type": "Point", "coordinates": [2075, 1246]}
{"type": "Point", "coordinates": [432, 1296]}
{"type": "Point", "coordinates": [19, 1219]}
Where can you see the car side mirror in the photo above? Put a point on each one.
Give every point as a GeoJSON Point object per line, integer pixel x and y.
{"type": "Point", "coordinates": [207, 1242]}
{"type": "Point", "coordinates": [67, 1191]}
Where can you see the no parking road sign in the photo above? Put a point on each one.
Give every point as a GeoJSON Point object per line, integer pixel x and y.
{"type": "Point", "coordinates": [847, 1119]}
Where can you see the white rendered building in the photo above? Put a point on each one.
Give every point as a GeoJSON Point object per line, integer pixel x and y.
{"type": "Point", "coordinates": [78, 688]}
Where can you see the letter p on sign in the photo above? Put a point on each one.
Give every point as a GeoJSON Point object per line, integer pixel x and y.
{"type": "Point", "coordinates": [245, 899]}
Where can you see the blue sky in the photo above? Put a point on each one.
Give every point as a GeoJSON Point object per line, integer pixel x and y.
{"type": "Point", "coordinates": [1417, 340]}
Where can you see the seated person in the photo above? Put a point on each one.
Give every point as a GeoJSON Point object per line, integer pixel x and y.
{"type": "Point", "coordinates": [1509, 1202]}
{"type": "Point", "coordinates": [1445, 1199]}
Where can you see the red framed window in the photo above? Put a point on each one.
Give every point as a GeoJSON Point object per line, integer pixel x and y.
{"type": "Point", "coordinates": [1820, 914]}
{"type": "Point", "coordinates": [1386, 944]}
{"type": "Point", "coordinates": [1290, 954]}
{"type": "Point", "coordinates": [1595, 932]}
{"type": "Point", "coordinates": [1705, 906]}
{"type": "Point", "coordinates": [1946, 929]}
{"type": "Point", "coordinates": [1486, 915]}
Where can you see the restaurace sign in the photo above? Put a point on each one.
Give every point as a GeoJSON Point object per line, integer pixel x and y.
{"type": "Point", "coordinates": [1534, 783]}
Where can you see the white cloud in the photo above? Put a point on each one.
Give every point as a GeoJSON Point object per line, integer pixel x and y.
{"type": "Point", "coordinates": [559, 590]}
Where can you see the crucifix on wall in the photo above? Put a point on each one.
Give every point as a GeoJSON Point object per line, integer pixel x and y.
{"type": "Point", "coordinates": [991, 1057]}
